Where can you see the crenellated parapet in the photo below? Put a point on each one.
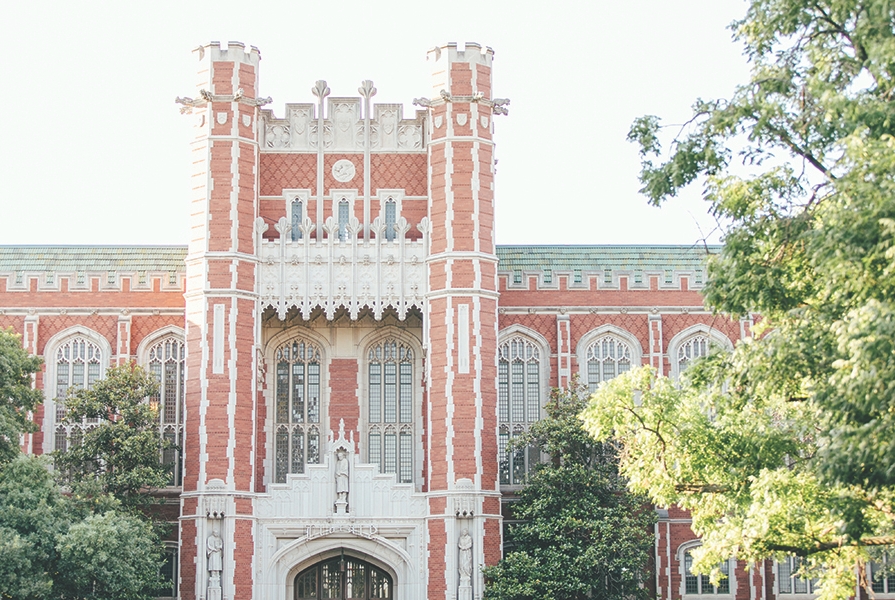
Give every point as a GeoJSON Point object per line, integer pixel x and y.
{"type": "Point", "coordinates": [343, 128]}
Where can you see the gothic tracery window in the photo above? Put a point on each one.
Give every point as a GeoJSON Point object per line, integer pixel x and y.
{"type": "Point", "coordinates": [297, 408]}
{"type": "Point", "coordinates": [390, 405]}
{"type": "Point", "coordinates": [166, 362]}
{"type": "Point", "coordinates": [607, 357]}
{"type": "Point", "coordinates": [692, 348]}
{"type": "Point", "coordinates": [78, 365]}
{"type": "Point", "coordinates": [519, 405]}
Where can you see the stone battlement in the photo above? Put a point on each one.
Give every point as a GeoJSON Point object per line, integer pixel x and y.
{"type": "Point", "coordinates": [233, 52]}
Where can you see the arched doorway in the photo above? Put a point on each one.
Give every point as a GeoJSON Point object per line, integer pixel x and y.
{"type": "Point", "coordinates": [343, 578]}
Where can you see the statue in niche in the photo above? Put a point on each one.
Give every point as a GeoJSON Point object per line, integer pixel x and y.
{"type": "Point", "coordinates": [214, 549]}
{"type": "Point", "coordinates": [341, 475]}
{"type": "Point", "coordinates": [465, 545]}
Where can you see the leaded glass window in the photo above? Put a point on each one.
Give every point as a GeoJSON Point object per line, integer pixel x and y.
{"type": "Point", "coordinates": [882, 577]}
{"type": "Point", "coordinates": [692, 348]}
{"type": "Point", "coordinates": [607, 357]}
{"type": "Point", "coordinates": [343, 577]}
{"type": "Point", "coordinates": [788, 579]}
{"type": "Point", "coordinates": [390, 403]}
{"type": "Point", "coordinates": [297, 216]}
{"type": "Point", "coordinates": [343, 221]}
{"type": "Point", "coordinates": [700, 584]}
{"type": "Point", "coordinates": [166, 362]}
{"type": "Point", "coordinates": [391, 215]}
{"type": "Point", "coordinates": [519, 405]}
{"type": "Point", "coordinates": [78, 366]}
{"type": "Point", "coordinates": [297, 408]}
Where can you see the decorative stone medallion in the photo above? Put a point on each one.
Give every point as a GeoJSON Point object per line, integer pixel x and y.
{"type": "Point", "coordinates": [343, 170]}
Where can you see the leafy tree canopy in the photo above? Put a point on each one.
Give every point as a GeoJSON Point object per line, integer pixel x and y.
{"type": "Point", "coordinates": [54, 547]}
{"type": "Point", "coordinates": [581, 534]}
{"type": "Point", "coordinates": [17, 398]}
{"type": "Point", "coordinates": [120, 455]}
{"type": "Point", "coordinates": [784, 446]}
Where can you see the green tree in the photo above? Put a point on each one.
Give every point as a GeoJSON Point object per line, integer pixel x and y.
{"type": "Point", "coordinates": [121, 454]}
{"type": "Point", "coordinates": [54, 547]}
{"type": "Point", "coordinates": [17, 398]}
{"type": "Point", "coordinates": [785, 445]}
{"type": "Point", "coordinates": [581, 535]}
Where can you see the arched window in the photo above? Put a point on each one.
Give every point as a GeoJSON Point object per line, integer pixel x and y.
{"type": "Point", "coordinates": [343, 220]}
{"type": "Point", "coordinates": [519, 405]}
{"type": "Point", "coordinates": [166, 362]}
{"type": "Point", "coordinates": [607, 357]}
{"type": "Point", "coordinates": [343, 577]}
{"type": "Point", "coordinates": [297, 408]}
{"type": "Point", "coordinates": [692, 348]}
{"type": "Point", "coordinates": [699, 585]}
{"type": "Point", "coordinates": [297, 216]}
{"type": "Point", "coordinates": [693, 343]}
{"type": "Point", "coordinates": [78, 364]}
{"type": "Point", "coordinates": [391, 215]}
{"type": "Point", "coordinates": [390, 401]}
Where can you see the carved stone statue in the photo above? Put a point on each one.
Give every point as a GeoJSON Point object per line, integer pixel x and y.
{"type": "Point", "coordinates": [213, 549]}
{"type": "Point", "coordinates": [465, 545]}
{"type": "Point", "coordinates": [341, 475]}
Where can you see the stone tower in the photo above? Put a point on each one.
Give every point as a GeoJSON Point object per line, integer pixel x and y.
{"type": "Point", "coordinates": [221, 329]}
{"type": "Point", "coordinates": [461, 323]}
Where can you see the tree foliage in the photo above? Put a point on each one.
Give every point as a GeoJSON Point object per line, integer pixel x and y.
{"type": "Point", "coordinates": [120, 455]}
{"type": "Point", "coordinates": [53, 546]}
{"type": "Point", "coordinates": [784, 445]}
{"type": "Point", "coordinates": [17, 398]}
{"type": "Point", "coordinates": [581, 534]}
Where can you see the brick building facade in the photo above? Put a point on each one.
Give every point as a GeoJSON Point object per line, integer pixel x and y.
{"type": "Point", "coordinates": [344, 352]}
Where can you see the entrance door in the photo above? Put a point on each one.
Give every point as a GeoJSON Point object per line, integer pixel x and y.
{"type": "Point", "coordinates": [343, 578]}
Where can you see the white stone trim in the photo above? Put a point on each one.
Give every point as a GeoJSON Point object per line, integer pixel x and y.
{"type": "Point", "coordinates": [155, 337]}
{"type": "Point", "coordinates": [731, 576]}
{"type": "Point", "coordinates": [324, 345]}
{"type": "Point", "coordinates": [585, 341]}
{"type": "Point", "coordinates": [368, 341]}
{"type": "Point", "coordinates": [383, 196]}
{"type": "Point", "coordinates": [303, 195]}
{"type": "Point", "coordinates": [49, 356]}
{"type": "Point", "coordinates": [699, 329]}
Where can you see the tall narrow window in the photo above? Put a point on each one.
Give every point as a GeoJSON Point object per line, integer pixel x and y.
{"type": "Point", "coordinates": [391, 215]}
{"type": "Point", "coordinates": [606, 358]}
{"type": "Point", "coordinates": [519, 405]}
{"type": "Point", "coordinates": [166, 362]}
{"type": "Point", "coordinates": [699, 585]}
{"type": "Point", "coordinates": [343, 221]}
{"type": "Point", "coordinates": [692, 348]}
{"type": "Point", "coordinates": [78, 366]}
{"type": "Point", "coordinates": [788, 579]}
{"type": "Point", "coordinates": [297, 409]}
{"type": "Point", "coordinates": [297, 216]}
{"type": "Point", "coordinates": [390, 400]}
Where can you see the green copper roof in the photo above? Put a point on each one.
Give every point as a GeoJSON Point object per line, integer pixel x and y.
{"type": "Point", "coordinates": [603, 258]}
{"type": "Point", "coordinates": [512, 258]}
{"type": "Point", "coordinates": [70, 259]}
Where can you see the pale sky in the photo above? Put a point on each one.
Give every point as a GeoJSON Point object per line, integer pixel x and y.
{"type": "Point", "coordinates": [95, 151]}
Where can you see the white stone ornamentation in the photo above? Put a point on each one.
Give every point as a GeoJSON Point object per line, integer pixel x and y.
{"type": "Point", "coordinates": [344, 170]}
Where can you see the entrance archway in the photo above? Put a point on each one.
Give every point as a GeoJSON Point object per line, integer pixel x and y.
{"type": "Point", "coordinates": [343, 578]}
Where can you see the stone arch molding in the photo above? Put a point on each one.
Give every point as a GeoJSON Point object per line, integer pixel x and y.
{"type": "Point", "coordinates": [170, 331]}
{"type": "Point", "coordinates": [699, 329]}
{"type": "Point", "coordinates": [506, 334]}
{"type": "Point", "coordinates": [50, 377]}
{"type": "Point", "coordinates": [594, 334]}
{"type": "Point", "coordinates": [292, 559]}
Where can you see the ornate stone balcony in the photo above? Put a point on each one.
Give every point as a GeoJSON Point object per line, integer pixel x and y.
{"type": "Point", "coordinates": [338, 272]}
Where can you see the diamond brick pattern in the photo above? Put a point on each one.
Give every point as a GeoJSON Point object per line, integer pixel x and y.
{"type": "Point", "coordinates": [399, 171]}
{"type": "Point", "coordinates": [635, 324]}
{"type": "Point", "coordinates": [50, 325]}
{"type": "Point", "coordinates": [144, 325]}
{"type": "Point", "coordinates": [286, 171]}
{"type": "Point", "coordinates": [673, 324]}
{"type": "Point", "coordinates": [545, 324]}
